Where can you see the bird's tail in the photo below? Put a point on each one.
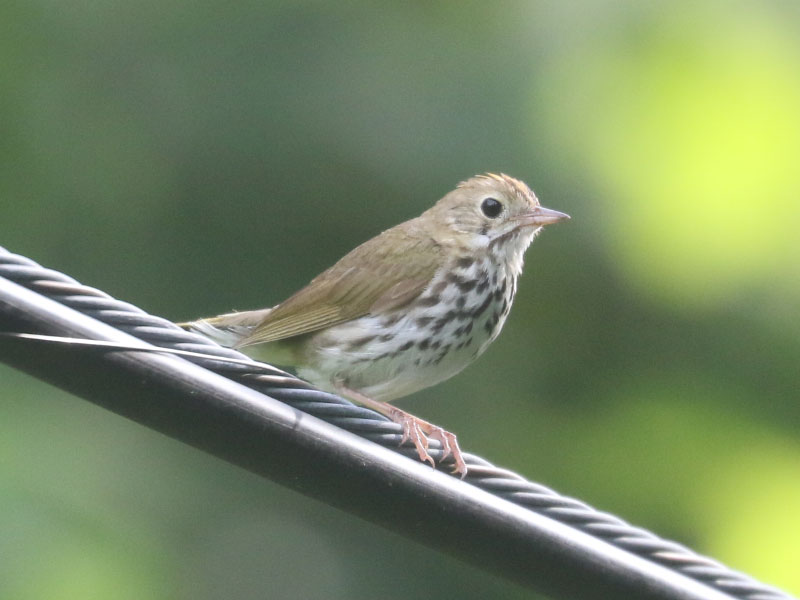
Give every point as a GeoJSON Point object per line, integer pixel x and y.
{"type": "Point", "coordinates": [229, 329]}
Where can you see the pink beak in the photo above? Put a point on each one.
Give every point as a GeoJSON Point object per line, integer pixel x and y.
{"type": "Point", "coordinates": [540, 216]}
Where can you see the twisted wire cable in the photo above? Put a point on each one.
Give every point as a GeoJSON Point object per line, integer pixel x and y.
{"type": "Point", "coordinates": [377, 428]}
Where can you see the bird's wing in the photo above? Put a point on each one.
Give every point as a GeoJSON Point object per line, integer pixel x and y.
{"type": "Point", "coordinates": [384, 273]}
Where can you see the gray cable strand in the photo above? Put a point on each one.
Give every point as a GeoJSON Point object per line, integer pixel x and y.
{"type": "Point", "coordinates": [377, 428]}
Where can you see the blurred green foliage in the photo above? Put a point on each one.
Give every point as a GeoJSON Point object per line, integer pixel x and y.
{"type": "Point", "coordinates": [198, 157]}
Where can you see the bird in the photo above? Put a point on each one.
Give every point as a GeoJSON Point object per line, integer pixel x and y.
{"type": "Point", "coordinates": [405, 310]}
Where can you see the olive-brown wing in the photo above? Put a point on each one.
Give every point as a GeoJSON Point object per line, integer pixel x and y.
{"type": "Point", "coordinates": [385, 273]}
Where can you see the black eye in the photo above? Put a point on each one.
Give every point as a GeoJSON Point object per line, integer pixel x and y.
{"type": "Point", "coordinates": [491, 207]}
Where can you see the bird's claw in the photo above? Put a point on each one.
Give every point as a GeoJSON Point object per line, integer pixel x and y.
{"type": "Point", "coordinates": [415, 430]}
{"type": "Point", "coordinates": [419, 433]}
{"type": "Point", "coordinates": [450, 447]}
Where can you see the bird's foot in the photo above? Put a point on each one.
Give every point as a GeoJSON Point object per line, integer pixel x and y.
{"type": "Point", "coordinates": [417, 431]}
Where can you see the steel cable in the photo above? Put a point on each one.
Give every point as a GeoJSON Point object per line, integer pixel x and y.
{"type": "Point", "coordinates": [377, 428]}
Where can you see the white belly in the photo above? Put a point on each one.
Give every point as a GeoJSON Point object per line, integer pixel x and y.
{"type": "Point", "coordinates": [390, 356]}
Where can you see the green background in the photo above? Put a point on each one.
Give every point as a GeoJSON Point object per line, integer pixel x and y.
{"type": "Point", "coordinates": [198, 157]}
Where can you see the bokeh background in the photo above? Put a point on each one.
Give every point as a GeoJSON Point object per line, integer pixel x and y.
{"type": "Point", "coordinates": [198, 157]}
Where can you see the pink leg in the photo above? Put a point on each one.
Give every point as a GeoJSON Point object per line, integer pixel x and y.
{"type": "Point", "coordinates": [415, 429]}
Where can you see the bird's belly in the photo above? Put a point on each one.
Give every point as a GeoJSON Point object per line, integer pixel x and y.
{"type": "Point", "coordinates": [390, 356]}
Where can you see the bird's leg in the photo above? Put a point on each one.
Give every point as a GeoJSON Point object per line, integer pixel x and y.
{"type": "Point", "coordinates": [417, 430]}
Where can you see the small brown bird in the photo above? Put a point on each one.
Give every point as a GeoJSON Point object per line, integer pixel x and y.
{"type": "Point", "coordinates": [405, 310]}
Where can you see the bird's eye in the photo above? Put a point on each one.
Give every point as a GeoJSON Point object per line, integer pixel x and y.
{"type": "Point", "coordinates": [491, 208]}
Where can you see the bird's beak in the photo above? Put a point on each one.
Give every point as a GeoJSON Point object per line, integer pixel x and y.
{"type": "Point", "coordinates": [540, 216]}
